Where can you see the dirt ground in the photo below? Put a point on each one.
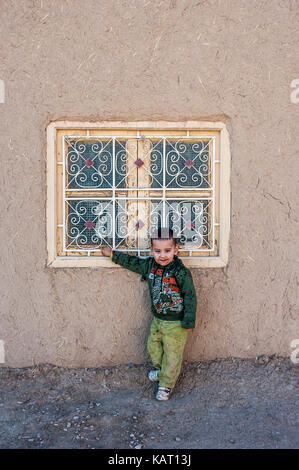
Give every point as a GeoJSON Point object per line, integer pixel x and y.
{"type": "Point", "coordinates": [221, 404]}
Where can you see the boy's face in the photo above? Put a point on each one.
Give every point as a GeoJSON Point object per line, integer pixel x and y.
{"type": "Point", "coordinates": [164, 251]}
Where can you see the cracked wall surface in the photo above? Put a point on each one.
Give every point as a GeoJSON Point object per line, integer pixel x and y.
{"type": "Point", "coordinates": [230, 61]}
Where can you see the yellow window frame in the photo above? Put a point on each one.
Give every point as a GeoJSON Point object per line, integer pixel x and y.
{"type": "Point", "coordinates": [57, 131]}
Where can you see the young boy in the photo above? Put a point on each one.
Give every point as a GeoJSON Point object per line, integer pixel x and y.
{"type": "Point", "coordinates": [174, 303]}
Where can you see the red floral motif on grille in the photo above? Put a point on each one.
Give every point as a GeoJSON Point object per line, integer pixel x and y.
{"type": "Point", "coordinates": [189, 163]}
{"type": "Point", "coordinates": [139, 162]}
{"type": "Point", "coordinates": [190, 225]}
{"type": "Point", "coordinates": [89, 224]}
{"type": "Point", "coordinates": [139, 224]}
{"type": "Point", "coordinates": [88, 162]}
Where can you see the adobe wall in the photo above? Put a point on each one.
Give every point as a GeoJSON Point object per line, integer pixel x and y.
{"type": "Point", "coordinates": [230, 61]}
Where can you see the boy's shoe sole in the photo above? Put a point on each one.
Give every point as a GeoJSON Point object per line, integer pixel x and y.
{"type": "Point", "coordinates": [153, 375]}
{"type": "Point", "coordinates": [163, 393]}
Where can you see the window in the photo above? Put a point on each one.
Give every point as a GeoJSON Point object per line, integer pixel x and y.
{"type": "Point", "coordinates": [112, 183]}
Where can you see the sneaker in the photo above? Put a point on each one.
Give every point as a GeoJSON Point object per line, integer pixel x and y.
{"type": "Point", "coordinates": [153, 375]}
{"type": "Point", "coordinates": [163, 393]}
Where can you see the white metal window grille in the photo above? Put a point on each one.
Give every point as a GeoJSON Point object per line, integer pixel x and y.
{"type": "Point", "coordinates": [115, 168]}
{"type": "Point", "coordinates": [113, 187]}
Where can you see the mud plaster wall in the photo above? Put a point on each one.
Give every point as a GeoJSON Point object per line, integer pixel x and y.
{"type": "Point", "coordinates": [231, 61]}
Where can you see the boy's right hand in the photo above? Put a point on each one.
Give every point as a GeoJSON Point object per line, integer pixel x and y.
{"type": "Point", "coordinates": [106, 251]}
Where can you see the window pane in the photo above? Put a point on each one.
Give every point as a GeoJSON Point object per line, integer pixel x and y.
{"type": "Point", "coordinates": [187, 164]}
{"type": "Point", "coordinates": [189, 219]}
{"type": "Point", "coordinates": [89, 223]}
{"type": "Point", "coordinates": [125, 223]}
{"type": "Point", "coordinates": [89, 164]}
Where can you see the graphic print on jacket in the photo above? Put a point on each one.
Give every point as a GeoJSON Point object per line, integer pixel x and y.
{"type": "Point", "coordinates": [166, 294]}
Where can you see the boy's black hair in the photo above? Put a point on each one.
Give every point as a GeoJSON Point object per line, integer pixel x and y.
{"type": "Point", "coordinates": [164, 233]}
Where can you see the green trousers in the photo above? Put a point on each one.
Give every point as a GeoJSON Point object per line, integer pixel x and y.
{"type": "Point", "coordinates": [165, 346]}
